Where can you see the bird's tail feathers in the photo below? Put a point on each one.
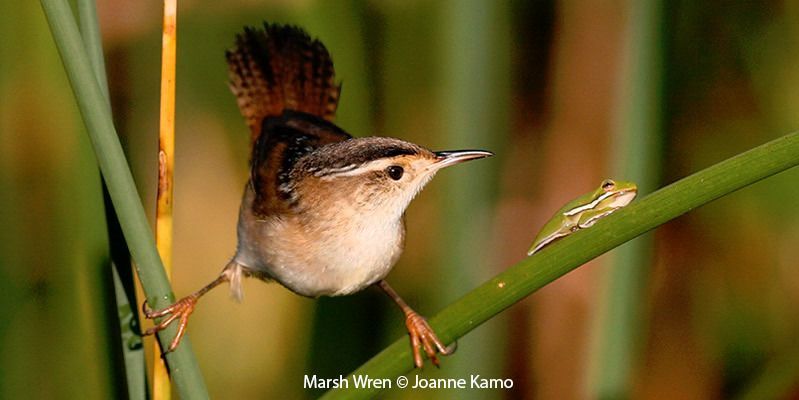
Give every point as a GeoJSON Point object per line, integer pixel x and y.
{"type": "Point", "coordinates": [281, 68]}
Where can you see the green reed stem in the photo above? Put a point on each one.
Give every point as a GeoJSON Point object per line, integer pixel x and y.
{"type": "Point", "coordinates": [556, 260]}
{"type": "Point", "coordinates": [116, 173]}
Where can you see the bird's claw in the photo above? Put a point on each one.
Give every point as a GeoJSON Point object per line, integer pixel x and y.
{"type": "Point", "coordinates": [180, 310]}
{"type": "Point", "coordinates": [423, 337]}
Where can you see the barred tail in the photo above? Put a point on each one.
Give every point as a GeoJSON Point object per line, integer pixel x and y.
{"type": "Point", "coordinates": [280, 68]}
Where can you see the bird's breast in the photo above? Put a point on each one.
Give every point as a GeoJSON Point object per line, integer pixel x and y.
{"type": "Point", "coordinates": [325, 255]}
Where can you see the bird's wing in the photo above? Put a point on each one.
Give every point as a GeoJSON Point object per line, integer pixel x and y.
{"type": "Point", "coordinates": [285, 87]}
{"type": "Point", "coordinates": [284, 141]}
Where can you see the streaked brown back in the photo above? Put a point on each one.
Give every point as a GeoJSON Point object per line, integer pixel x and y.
{"type": "Point", "coordinates": [285, 87]}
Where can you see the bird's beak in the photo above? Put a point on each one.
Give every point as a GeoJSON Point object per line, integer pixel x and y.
{"type": "Point", "coordinates": [447, 158]}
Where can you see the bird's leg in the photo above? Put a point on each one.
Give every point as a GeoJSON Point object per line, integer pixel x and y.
{"type": "Point", "coordinates": [181, 310]}
{"type": "Point", "coordinates": [422, 335]}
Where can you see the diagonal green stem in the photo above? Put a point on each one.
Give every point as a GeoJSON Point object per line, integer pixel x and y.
{"type": "Point", "coordinates": [532, 273]}
{"type": "Point", "coordinates": [97, 118]}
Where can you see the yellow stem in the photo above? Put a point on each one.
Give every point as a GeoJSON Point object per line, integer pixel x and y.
{"type": "Point", "coordinates": [166, 160]}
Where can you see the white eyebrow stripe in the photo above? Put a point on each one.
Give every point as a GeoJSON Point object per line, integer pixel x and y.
{"type": "Point", "coordinates": [355, 169]}
{"type": "Point", "coordinates": [333, 171]}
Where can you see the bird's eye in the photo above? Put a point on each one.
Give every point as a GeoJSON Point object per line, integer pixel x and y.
{"type": "Point", "coordinates": [395, 172]}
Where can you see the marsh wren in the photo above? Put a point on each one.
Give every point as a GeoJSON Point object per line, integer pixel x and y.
{"type": "Point", "coordinates": [322, 213]}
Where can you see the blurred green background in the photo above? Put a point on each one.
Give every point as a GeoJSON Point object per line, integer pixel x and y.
{"type": "Point", "coordinates": [555, 88]}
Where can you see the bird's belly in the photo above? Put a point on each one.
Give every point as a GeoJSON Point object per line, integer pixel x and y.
{"type": "Point", "coordinates": [313, 264]}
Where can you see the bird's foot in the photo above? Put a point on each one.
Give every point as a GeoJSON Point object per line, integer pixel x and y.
{"type": "Point", "coordinates": [423, 337]}
{"type": "Point", "coordinates": [180, 310]}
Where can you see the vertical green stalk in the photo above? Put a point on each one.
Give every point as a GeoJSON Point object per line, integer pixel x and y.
{"type": "Point", "coordinates": [93, 106]}
{"type": "Point", "coordinates": [92, 41]}
{"type": "Point", "coordinates": [638, 158]}
{"type": "Point", "coordinates": [129, 341]}
{"type": "Point", "coordinates": [475, 50]}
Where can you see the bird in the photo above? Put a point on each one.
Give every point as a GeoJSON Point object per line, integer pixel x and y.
{"type": "Point", "coordinates": [322, 213]}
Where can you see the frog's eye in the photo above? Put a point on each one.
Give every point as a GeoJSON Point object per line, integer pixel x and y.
{"type": "Point", "coordinates": [608, 184]}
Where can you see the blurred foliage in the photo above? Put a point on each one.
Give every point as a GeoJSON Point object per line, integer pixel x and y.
{"type": "Point", "coordinates": [718, 304]}
{"type": "Point", "coordinates": [58, 311]}
{"type": "Point", "coordinates": [638, 139]}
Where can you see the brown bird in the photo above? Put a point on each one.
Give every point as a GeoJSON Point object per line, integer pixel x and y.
{"type": "Point", "coordinates": [322, 213]}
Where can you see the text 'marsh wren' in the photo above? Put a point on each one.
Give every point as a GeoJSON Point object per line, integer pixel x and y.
{"type": "Point", "coordinates": [322, 213]}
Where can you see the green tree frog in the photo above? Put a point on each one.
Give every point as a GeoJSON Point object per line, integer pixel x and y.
{"type": "Point", "coordinates": [584, 211]}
